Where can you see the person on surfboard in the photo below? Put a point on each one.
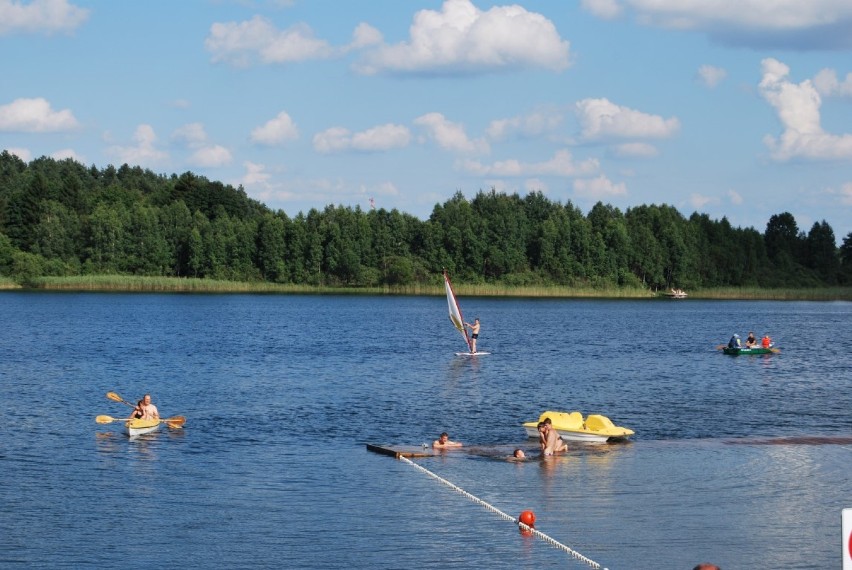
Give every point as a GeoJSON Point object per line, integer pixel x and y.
{"type": "Point", "coordinates": [146, 410]}
{"type": "Point", "coordinates": [474, 334]}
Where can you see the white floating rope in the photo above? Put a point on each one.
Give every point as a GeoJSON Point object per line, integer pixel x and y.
{"type": "Point", "coordinates": [552, 541]}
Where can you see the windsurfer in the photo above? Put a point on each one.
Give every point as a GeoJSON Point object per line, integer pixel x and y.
{"type": "Point", "coordinates": [474, 334]}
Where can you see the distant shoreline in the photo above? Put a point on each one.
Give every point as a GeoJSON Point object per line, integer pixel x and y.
{"type": "Point", "coordinates": [134, 284]}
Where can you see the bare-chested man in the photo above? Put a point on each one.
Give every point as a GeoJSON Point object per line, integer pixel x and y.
{"type": "Point", "coordinates": [551, 442]}
{"type": "Point", "coordinates": [444, 441]}
{"type": "Point", "coordinates": [474, 334]}
{"type": "Point", "coordinates": [146, 410]}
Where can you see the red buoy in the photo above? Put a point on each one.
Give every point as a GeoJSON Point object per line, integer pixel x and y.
{"type": "Point", "coordinates": [528, 518]}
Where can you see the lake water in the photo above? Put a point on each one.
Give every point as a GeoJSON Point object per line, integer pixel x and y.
{"type": "Point", "coordinates": [741, 461]}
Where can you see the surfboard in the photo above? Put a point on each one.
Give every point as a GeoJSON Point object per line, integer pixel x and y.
{"type": "Point", "coordinates": [477, 353]}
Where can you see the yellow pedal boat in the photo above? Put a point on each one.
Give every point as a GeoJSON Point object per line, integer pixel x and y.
{"type": "Point", "coordinates": [572, 427]}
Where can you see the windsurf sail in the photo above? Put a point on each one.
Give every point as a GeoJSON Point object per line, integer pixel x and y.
{"type": "Point", "coordinates": [455, 310]}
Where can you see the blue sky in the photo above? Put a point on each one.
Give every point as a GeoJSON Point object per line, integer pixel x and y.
{"type": "Point", "coordinates": [737, 109]}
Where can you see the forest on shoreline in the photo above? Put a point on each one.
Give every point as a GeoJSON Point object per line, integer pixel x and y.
{"type": "Point", "coordinates": [62, 223]}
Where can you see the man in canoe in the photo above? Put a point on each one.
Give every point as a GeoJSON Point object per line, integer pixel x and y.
{"type": "Point", "coordinates": [751, 342]}
{"type": "Point", "coordinates": [474, 334]}
{"type": "Point", "coordinates": [146, 410]}
{"type": "Point", "coordinates": [444, 441]}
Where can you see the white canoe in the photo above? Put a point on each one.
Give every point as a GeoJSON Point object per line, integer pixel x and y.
{"type": "Point", "coordinates": [572, 426]}
{"type": "Point", "coordinates": [140, 427]}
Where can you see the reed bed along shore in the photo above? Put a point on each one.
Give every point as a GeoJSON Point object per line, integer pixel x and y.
{"type": "Point", "coordinates": [129, 283]}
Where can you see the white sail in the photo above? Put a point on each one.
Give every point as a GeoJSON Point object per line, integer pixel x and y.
{"type": "Point", "coordinates": [455, 310]}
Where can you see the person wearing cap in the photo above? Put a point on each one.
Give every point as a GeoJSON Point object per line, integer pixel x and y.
{"type": "Point", "coordinates": [734, 342]}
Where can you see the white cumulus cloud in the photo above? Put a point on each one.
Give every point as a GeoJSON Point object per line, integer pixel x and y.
{"type": "Point", "coordinates": [698, 201]}
{"type": "Point", "coordinates": [259, 41]}
{"type": "Point", "coordinates": [376, 139]}
{"type": "Point", "coordinates": [211, 156]}
{"type": "Point", "coordinates": [598, 188]}
{"type": "Point", "coordinates": [600, 119]}
{"type": "Point", "coordinates": [35, 116]}
{"type": "Point", "coordinates": [757, 23]}
{"type": "Point", "coordinates": [827, 84]}
{"type": "Point", "coordinates": [635, 150]}
{"type": "Point", "coordinates": [844, 194]}
{"type": "Point", "coordinates": [23, 153]}
{"type": "Point", "coordinates": [562, 164]}
{"type": "Point", "coordinates": [531, 125]}
{"type": "Point", "coordinates": [449, 135]}
{"type": "Point", "coordinates": [44, 16]}
{"type": "Point", "coordinates": [191, 134]}
{"type": "Point", "coordinates": [144, 152]}
{"type": "Point", "coordinates": [798, 109]}
{"type": "Point", "coordinates": [604, 9]}
{"type": "Point", "coordinates": [711, 76]}
{"type": "Point", "coordinates": [64, 153]}
{"type": "Point", "coordinates": [460, 38]}
{"type": "Point", "coordinates": [276, 131]}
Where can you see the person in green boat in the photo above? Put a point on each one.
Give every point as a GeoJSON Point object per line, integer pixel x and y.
{"type": "Point", "coordinates": [751, 342]}
{"type": "Point", "coordinates": [734, 342]}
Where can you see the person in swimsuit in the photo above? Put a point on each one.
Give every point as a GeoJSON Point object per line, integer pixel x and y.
{"type": "Point", "coordinates": [444, 441]}
{"type": "Point", "coordinates": [552, 441]}
{"type": "Point", "coordinates": [474, 334]}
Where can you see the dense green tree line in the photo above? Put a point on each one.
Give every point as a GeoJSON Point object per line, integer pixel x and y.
{"type": "Point", "coordinates": [58, 217]}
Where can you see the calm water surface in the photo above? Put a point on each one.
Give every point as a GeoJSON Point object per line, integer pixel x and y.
{"type": "Point", "coordinates": [743, 461]}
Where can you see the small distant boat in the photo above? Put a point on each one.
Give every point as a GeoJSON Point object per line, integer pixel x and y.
{"type": "Point", "coordinates": [572, 426]}
{"type": "Point", "coordinates": [738, 350]}
{"type": "Point", "coordinates": [140, 427]}
{"type": "Point", "coordinates": [676, 294]}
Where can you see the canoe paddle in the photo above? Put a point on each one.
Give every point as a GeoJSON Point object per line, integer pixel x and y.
{"type": "Point", "coordinates": [116, 398]}
{"type": "Point", "coordinates": [175, 422]}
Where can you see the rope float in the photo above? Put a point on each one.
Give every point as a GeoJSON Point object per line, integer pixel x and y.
{"type": "Point", "coordinates": [526, 528]}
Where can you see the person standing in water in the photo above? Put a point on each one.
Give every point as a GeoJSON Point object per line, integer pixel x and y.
{"type": "Point", "coordinates": [444, 441]}
{"type": "Point", "coordinates": [474, 334]}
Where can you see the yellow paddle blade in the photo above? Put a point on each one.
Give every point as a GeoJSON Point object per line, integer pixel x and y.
{"type": "Point", "coordinates": [114, 397]}
{"type": "Point", "coordinates": [104, 419]}
{"type": "Point", "coordinates": [176, 421]}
